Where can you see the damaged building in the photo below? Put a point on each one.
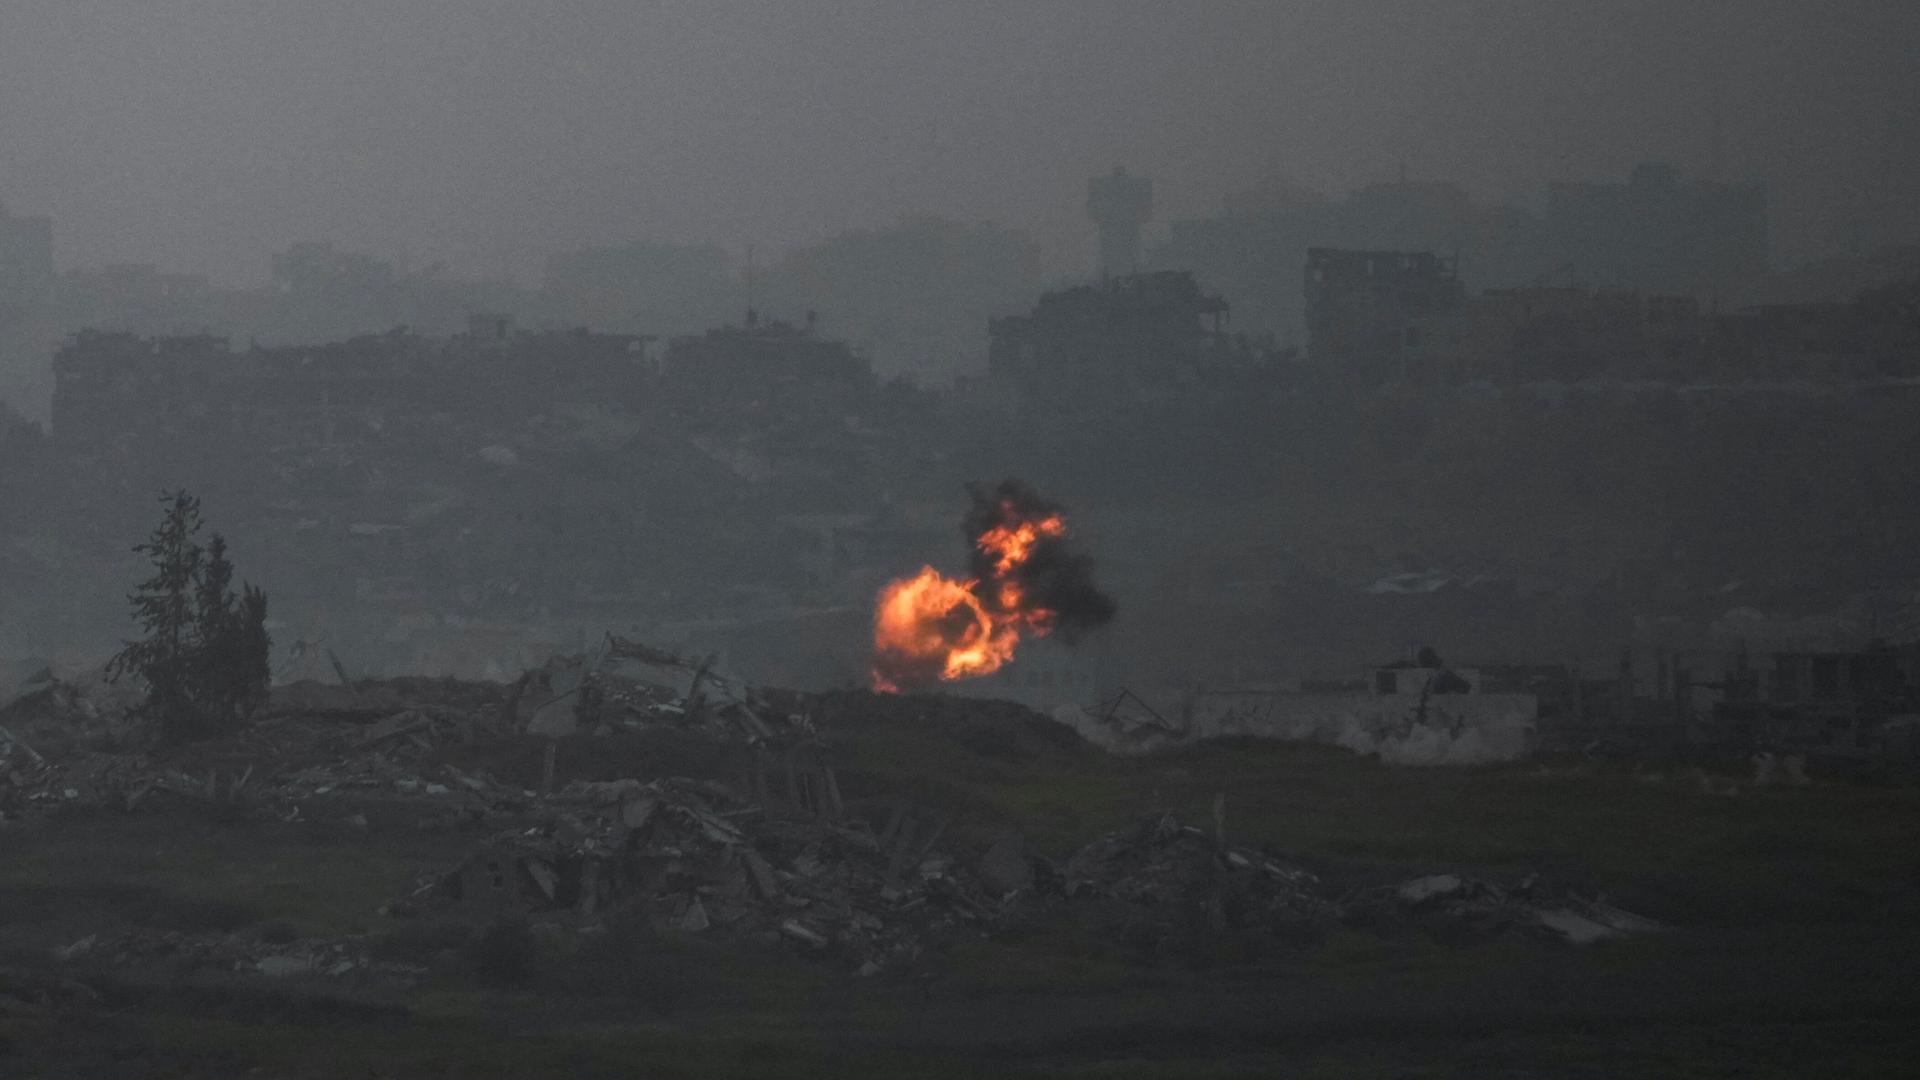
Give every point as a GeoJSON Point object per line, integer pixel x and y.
{"type": "Point", "coordinates": [1373, 315]}
{"type": "Point", "coordinates": [1848, 705]}
{"type": "Point", "coordinates": [1124, 337]}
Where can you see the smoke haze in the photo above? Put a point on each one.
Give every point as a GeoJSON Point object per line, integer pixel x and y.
{"type": "Point", "coordinates": [203, 136]}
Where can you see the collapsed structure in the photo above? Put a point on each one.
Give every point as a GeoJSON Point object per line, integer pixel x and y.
{"type": "Point", "coordinates": [762, 844]}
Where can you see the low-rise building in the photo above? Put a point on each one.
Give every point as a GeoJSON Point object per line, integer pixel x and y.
{"type": "Point", "coordinates": [1125, 336]}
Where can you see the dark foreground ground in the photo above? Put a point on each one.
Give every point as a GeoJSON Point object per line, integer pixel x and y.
{"type": "Point", "coordinates": [1793, 953]}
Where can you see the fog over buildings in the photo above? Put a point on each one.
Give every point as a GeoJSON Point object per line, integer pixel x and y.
{"type": "Point", "coordinates": [1062, 207]}
{"type": "Point", "coordinates": [205, 136]}
{"type": "Point", "coordinates": [974, 501]}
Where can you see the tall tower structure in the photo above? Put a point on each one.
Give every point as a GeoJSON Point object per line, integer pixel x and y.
{"type": "Point", "coordinates": [1120, 204]}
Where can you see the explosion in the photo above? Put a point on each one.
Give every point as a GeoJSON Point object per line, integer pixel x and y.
{"type": "Point", "coordinates": [1024, 578]}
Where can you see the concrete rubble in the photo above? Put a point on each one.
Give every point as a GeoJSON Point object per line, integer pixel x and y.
{"type": "Point", "coordinates": [624, 685]}
{"type": "Point", "coordinates": [1166, 870]}
{"type": "Point", "coordinates": [69, 743]}
{"type": "Point", "coordinates": [780, 855]}
{"type": "Point", "coordinates": [700, 857]}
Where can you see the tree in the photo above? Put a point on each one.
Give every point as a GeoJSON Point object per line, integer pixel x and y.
{"type": "Point", "coordinates": [232, 670]}
{"type": "Point", "coordinates": [163, 607]}
{"type": "Point", "coordinates": [204, 657]}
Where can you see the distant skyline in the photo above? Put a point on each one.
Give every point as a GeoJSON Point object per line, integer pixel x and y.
{"type": "Point", "coordinates": [202, 135]}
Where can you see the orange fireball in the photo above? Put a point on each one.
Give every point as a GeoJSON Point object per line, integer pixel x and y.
{"type": "Point", "coordinates": [932, 628]}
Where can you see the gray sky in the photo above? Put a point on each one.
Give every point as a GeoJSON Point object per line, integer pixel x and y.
{"type": "Point", "coordinates": [203, 134]}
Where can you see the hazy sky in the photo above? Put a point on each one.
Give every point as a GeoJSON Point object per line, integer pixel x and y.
{"type": "Point", "coordinates": [203, 134]}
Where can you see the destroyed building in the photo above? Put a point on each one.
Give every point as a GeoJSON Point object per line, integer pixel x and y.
{"type": "Point", "coordinates": [1121, 338]}
{"type": "Point", "coordinates": [1841, 704]}
{"type": "Point", "coordinates": [1373, 315]}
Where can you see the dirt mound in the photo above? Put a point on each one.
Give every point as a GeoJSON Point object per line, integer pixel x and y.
{"type": "Point", "coordinates": [997, 729]}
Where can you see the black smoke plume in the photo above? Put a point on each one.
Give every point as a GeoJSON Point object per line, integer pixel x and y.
{"type": "Point", "coordinates": [1055, 576]}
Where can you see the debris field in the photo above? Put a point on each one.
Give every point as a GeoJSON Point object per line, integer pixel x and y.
{"type": "Point", "coordinates": [774, 853]}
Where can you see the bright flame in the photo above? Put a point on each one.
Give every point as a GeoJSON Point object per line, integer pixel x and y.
{"type": "Point", "coordinates": [932, 626]}
{"type": "Point", "coordinates": [933, 623]}
{"type": "Point", "coordinates": [1011, 545]}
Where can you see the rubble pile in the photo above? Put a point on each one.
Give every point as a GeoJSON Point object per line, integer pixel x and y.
{"type": "Point", "coordinates": [58, 742]}
{"type": "Point", "coordinates": [70, 744]}
{"type": "Point", "coordinates": [272, 766]}
{"type": "Point", "coordinates": [51, 715]}
{"type": "Point", "coordinates": [699, 857]}
{"type": "Point", "coordinates": [777, 855]}
{"type": "Point", "coordinates": [1489, 907]}
{"type": "Point", "coordinates": [1163, 878]}
{"type": "Point", "coordinates": [93, 779]}
{"type": "Point", "coordinates": [624, 685]}
{"type": "Point", "coordinates": [394, 756]}
{"type": "Point", "coordinates": [1175, 877]}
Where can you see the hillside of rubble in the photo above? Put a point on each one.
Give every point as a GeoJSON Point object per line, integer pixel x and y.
{"type": "Point", "coordinates": [626, 859]}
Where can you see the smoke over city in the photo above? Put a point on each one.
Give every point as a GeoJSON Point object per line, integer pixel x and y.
{"type": "Point", "coordinates": [480, 593]}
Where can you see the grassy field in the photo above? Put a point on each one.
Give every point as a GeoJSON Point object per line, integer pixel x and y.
{"type": "Point", "coordinates": [1794, 945]}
